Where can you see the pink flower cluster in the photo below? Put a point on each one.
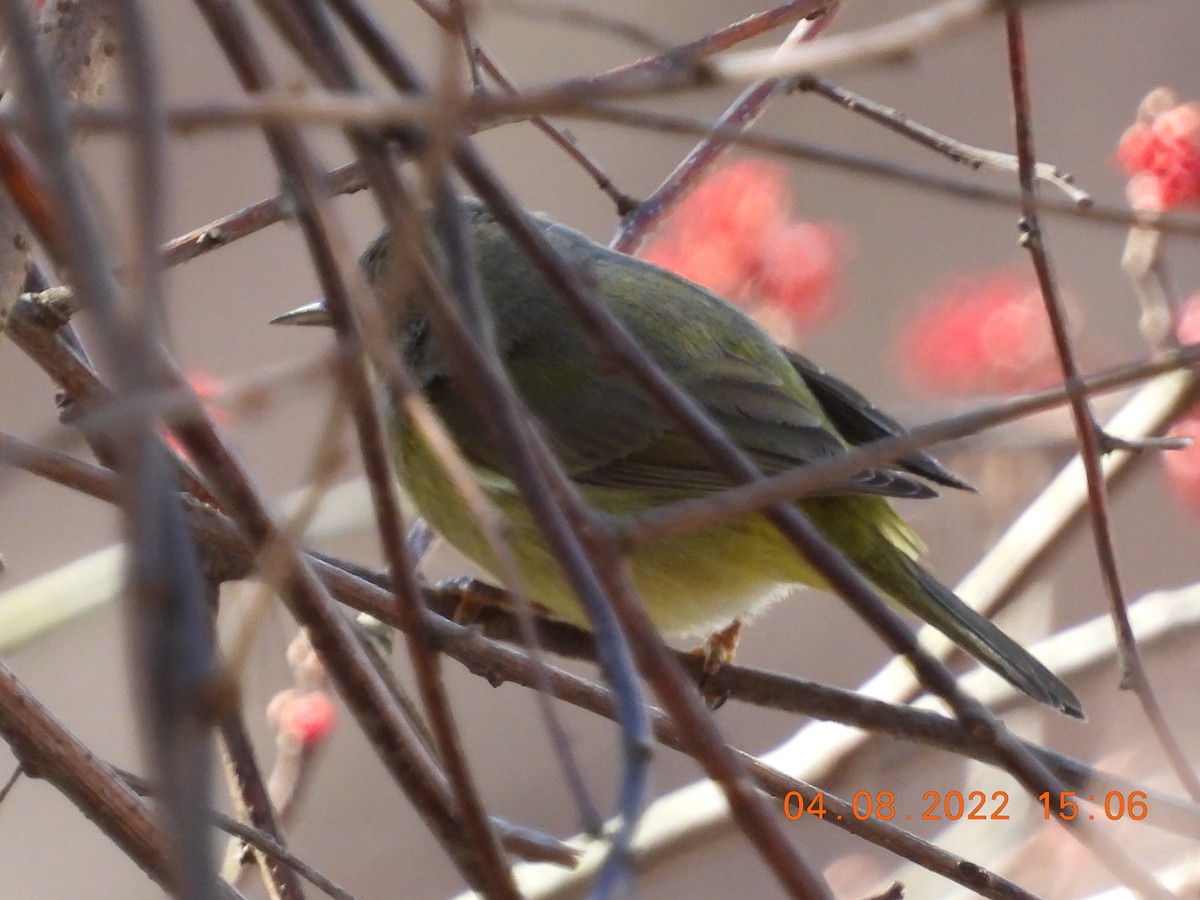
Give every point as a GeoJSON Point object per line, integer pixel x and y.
{"type": "Point", "coordinates": [1161, 153]}
{"type": "Point", "coordinates": [735, 236]}
{"type": "Point", "coordinates": [1183, 466]}
{"type": "Point", "coordinates": [980, 335]}
{"type": "Point", "coordinates": [303, 716]}
{"type": "Point", "coordinates": [306, 717]}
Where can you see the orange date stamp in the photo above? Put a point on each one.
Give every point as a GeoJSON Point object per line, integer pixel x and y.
{"type": "Point", "coordinates": [952, 806]}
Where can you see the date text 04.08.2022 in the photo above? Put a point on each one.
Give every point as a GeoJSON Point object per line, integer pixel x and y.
{"type": "Point", "coordinates": [972, 806]}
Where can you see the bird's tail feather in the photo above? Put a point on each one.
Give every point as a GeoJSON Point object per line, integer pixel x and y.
{"type": "Point", "coordinates": [881, 546]}
{"type": "Point", "coordinates": [986, 642]}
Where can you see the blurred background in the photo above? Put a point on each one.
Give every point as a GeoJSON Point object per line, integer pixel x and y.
{"type": "Point", "coordinates": [1091, 63]}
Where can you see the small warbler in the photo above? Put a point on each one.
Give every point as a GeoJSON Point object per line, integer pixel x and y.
{"type": "Point", "coordinates": [626, 456]}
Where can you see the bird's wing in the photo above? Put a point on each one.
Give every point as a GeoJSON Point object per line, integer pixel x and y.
{"type": "Point", "coordinates": [605, 429]}
{"type": "Point", "coordinates": [859, 421]}
{"type": "Point", "coordinates": [588, 415]}
{"type": "Point", "coordinates": [770, 423]}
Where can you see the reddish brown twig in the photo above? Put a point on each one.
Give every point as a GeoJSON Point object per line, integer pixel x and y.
{"type": "Point", "coordinates": [1087, 430]}
{"type": "Point", "coordinates": [47, 750]}
{"type": "Point", "coordinates": [741, 115]}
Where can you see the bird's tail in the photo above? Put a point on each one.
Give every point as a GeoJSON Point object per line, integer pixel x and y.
{"type": "Point", "coordinates": [881, 546]}
{"type": "Point", "coordinates": [942, 609]}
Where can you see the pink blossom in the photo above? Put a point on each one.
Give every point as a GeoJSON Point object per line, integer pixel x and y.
{"type": "Point", "coordinates": [1161, 153]}
{"type": "Point", "coordinates": [988, 334]}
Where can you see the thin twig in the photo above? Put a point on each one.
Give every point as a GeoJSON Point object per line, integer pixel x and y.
{"type": "Point", "coordinates": [1142, 260]}
{"type": "Point", "coordinates": [587, 19]}
{"type": "Point", "coordinates": [954, 150]}
{"type": "Point", "coordinates": [305, 24]}
{"type": "Point", "coordinates": [740, 116]}
{"type": "Point", "coordinates": [345, 180]}
{"type": "Point", "coordinates": [277, 798]}
{"type": "Point", "coordinates": [891, 41]}
{"type": "Point", "coordinates": [687, 515]}
{"type": "Point", "coordinates": [254, 837]}
{"type": "Point", "coordinates": [437, 437]}
{"type": "Point", "coordinates": [357, 680]}
{"type": "Point", "coordinates": [1087, 430]}
{"type": "Point", "coordinates": [11, 783]}
{"type": "Point", "coordinates": [253, 804]}
{"type": "Point", "coordinates": [499, 664]}
{"type": "Point", "coordinates": [342, 110]}
{"type": "Point", "coordinates": [674, 60]}
{"type": "Point", "coordinates": [171, 645]}
{"type": "Point", "coordinates": [622, 200]}
{"type": "Point", "coordinates": [47, 750]}
{"type": "Point", "coordinates": [269, 847]}
{"type": "Point", "coordinates": [656, 666]}
{"type": "Point", "coordinates": [853, 162]}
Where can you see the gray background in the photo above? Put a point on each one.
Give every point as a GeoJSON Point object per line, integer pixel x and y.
{"type": "Point", "coordinates": [1090, 64]}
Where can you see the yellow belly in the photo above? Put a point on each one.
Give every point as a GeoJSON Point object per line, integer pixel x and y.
{"type": "Point", "coordinates": [692, 583]}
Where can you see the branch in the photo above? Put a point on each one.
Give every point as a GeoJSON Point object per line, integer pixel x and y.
{"type": "Point", "coordinates": [1087, 431]}
{"type": "Point", "coordinates": [897, 40]}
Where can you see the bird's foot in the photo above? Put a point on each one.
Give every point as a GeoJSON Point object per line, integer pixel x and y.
{"type": "Point", "coordinates": [721, 647]}
{"type": "Point", "coordinates": [471, 596]}
{"type": "Point", "coordinates": [718, 650]}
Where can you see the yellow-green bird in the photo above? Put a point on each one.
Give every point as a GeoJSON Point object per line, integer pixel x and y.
{"type": "Point", "coordinates": [626, 456]}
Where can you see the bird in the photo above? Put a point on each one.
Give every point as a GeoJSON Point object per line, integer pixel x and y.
{"type": "Point", "coordinates": [625, 456]}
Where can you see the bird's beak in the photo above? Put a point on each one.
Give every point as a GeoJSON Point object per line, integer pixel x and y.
{"type": "Point", "coordinates": [313, 313]}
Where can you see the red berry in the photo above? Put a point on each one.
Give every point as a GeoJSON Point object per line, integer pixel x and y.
{"type": "Point", "coordinates": [305, 717]}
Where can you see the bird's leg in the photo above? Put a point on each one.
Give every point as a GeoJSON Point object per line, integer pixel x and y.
{"type": "Point", "coordinates": [471, 596]}
{"type": "Point", "coordinates": [721, 647]}
{"type": "Point", "coordinates": [717, 651]}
